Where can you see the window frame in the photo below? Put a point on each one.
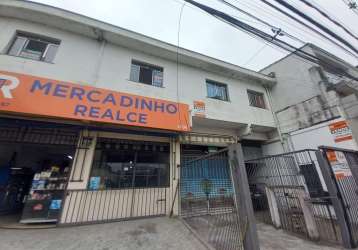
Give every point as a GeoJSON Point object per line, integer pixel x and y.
{"type": "Point", "coordinates": [152, 67]}
{"type": "Point", "coordinates": [132, 175]}
{"type": "Point", "coordinates": [220, 84]}
{"type": "Point", "coordinates": [33, 37]}
{"type": "Point", "coordinates": [250, 94]}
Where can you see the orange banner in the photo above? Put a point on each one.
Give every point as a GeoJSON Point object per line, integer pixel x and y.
{"type": "Point", "coordinates": [25, 94]}
{"type": "Point", "coordinates": [341, 131]}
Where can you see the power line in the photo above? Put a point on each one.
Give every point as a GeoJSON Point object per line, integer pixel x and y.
{"type": "Point", "coordinates": [252, 5]}
{"type": "Point", "coordinates": [320, 26]}
{"type": "Point", "coordinates": [307, 26]}
{"type": "Point", "coordinates": [262, 35]}
{"type": "Point", "coordinates": [274, 28]}
{"type": "Point", "coordinates": [329, 18]}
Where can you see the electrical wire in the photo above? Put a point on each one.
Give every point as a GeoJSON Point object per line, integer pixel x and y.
{"type": "Point", "coordinates": [177, 65]}
{"type": "Point", "coordinates": [307, 26]}
{"type": "Point", "coordinates": [262, 35]}
{"type": "Point", "coordinates": [274, 28]}
{"type": "Point", "coordinates": [306, 33]}
{"type": "Point", "coordinates": [329, 18]}
{"type": "Point", "coordinates": [315, 23]}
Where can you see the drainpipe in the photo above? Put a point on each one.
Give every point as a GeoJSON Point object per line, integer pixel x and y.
{"type": "Point", "coordinates": [277, 123]}
{"type": "Point", "coordinates": [102, 40]}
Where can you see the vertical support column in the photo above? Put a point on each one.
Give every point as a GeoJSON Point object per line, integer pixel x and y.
{"type": "Point", "coordinates": [82, 162]}
{"type": "Point", "coordinates": [243, 198]}
{"type": "Point", "coordinates": [173, 205]}
{"type": "Point", "coordinates": [336, 201]}
{"type": "Point", "coordinates": [308, 216]}
{"type": "Point", "coordinates": [275, 215]}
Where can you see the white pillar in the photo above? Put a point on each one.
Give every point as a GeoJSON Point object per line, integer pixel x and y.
{"type": "Point", "coordinates": [308, 216]}
{"type": "Point", "coordinates": [275, 216]}
{"type": "Point", "coordinates": [82, 162]}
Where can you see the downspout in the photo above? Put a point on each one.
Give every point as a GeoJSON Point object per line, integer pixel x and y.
{"type": "Point", "coordinates": [277, 123]}
{"type": "Point", "coordinates": [102, 40]}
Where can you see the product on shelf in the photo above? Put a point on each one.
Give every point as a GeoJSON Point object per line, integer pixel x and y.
{"type": "Point", "coordinates": [44, 201]}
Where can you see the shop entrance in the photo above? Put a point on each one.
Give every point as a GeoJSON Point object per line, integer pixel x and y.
{"type": "Point", "coordinates": [128, 179]}
{"type": "Point", "coordinates": [35, 162]}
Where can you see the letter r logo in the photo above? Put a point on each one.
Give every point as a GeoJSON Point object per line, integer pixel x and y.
{"type": "Point", "coordinates": [8, 83]}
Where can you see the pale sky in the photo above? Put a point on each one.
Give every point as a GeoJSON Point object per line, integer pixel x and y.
{"type": "Point", "coordinates": [205, 34]}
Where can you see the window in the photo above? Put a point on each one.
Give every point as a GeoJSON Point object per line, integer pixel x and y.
{"type": "Point", "coordinates": [147, 74]}
{"type": "Point", "coordinates": [217, 90]}
{"type": "Point", "coordinates": [125, 164]}
{"type": "Point", "coordinates": [256, 99]}
{"type": "Point", "coordinates": [33, 47]}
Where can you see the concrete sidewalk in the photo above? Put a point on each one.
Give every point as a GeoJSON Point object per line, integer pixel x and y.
{"type": "Point", "coordinates": [156, 233]}
{"type": "Point", "coordinates": [273, 239]}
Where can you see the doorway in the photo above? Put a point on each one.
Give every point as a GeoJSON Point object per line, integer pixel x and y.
{"type": "Point", "coordinates": [35, 162]}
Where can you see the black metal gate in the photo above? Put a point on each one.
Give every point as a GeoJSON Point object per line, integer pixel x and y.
{"type": "Point", "coordinates": [290, 177]}
{"type": "Point", "coordinates": [344, 171]}
{"type": "Point", "coordinates": [208, 201]}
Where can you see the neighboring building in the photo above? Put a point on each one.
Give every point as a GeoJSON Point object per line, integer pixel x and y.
{"type": "Point", "coordinates": [74, 89]}
{"type": "Point", "coordinates": [312, 102]}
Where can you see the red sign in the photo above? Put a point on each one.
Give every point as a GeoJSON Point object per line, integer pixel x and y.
{"type": "Point", "coordinates": [199, 109]}
{"type": "Point", "coordinates": [25, 94]}
{"type": "Point", "coordinates": [341, 131]}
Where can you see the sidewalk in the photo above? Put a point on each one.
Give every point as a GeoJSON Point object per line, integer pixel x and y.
{"type": "Point", "coordinates": [273, 239]}
{"type": "Point", "coordinates": [157, 233]}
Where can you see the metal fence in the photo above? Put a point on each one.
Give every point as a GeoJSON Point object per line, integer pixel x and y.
{"type": "Point", "coordinates": [291, 176]}
{"type": "Point", "coordinates": [343, 166]}
{"type": "Point", "coordinates": [260, 203]}
{"type": "Point", "coordinates": [326, 220]}
{"type": "Point", "coordinates": [207, 200]}
{"type": "Point", "coordinates": [290, 209]}
{"type": "Point", "coordinates": [95, 206]}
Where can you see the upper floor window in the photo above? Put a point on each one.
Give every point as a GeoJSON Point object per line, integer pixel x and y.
{"type": "Point", "coordinates": [217, 90]}
{"type": "Point", "coordinates": [256, 99]}
{"type": "Point", "coordinates": [146, 73]}
{"type": "Point", "coordinates": [34, 47]}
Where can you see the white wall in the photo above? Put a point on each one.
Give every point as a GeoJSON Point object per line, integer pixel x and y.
{"type": "Point", "coordinates": [272, 148]}
{"type": "Point", "coordinates": [316, 136]}
{"type": "Point", "coordinates": [77, 61]}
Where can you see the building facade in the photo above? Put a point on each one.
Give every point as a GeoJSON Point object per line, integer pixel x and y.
{"type": "Point", "coordinates": [108, 115]}
{"type": "Point", "coordinates": [310, 101]}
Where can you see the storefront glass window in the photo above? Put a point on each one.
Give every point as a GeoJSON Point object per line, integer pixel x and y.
{"type": "Point", "coordinates": [127, 164]}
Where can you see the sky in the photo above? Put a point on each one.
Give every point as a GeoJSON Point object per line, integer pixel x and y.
{"type": "Point", "coordinates": [205, 34]}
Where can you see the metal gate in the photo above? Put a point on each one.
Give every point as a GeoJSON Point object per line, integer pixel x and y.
{"type": "Point", "coordinates": [208, 202]}
{"type": "Point", "coordinates": [260, 203]}
{"type": "Point", "coordinates": [291, 177]}
{"type": "Point", "coordinates": [344, 172]}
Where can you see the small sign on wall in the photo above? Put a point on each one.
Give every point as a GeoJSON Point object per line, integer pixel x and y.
{"type": "Point", "coordinates": [340, 131]}
{"type": "Point", "coordinates": [199, 109]}
{"type": "Point", "coordinates": [339, 164]}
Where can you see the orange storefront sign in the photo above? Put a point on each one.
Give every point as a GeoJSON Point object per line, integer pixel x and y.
{"type": "Point", "coordinates": [32, 95]}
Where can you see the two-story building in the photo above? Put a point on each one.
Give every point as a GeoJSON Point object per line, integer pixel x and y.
{"type": "Point", "coordinates": [88, 106]}
{"type": "Point", "coordinates": [315, 103]}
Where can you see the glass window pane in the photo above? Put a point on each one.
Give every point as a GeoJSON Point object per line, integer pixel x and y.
{"type": "Point", "coordinates": [217, 91]}
{"type": "Point", "coordinates": [17, 46]}
{"type": "Point", "coordinates": [33, 49]}
{"type": "Point", "coordinates": [157, 78]}
{"type": "Point", "coordinates": [145, 73]}
{"type": "Point", "coordinates": [135, 73]}
{"type": "Point", "coordinates": [256, 99]}
{"type": "Point", "coordinates": [126, 164]}
{"type": "Point", "coordinates": [50, 53]}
